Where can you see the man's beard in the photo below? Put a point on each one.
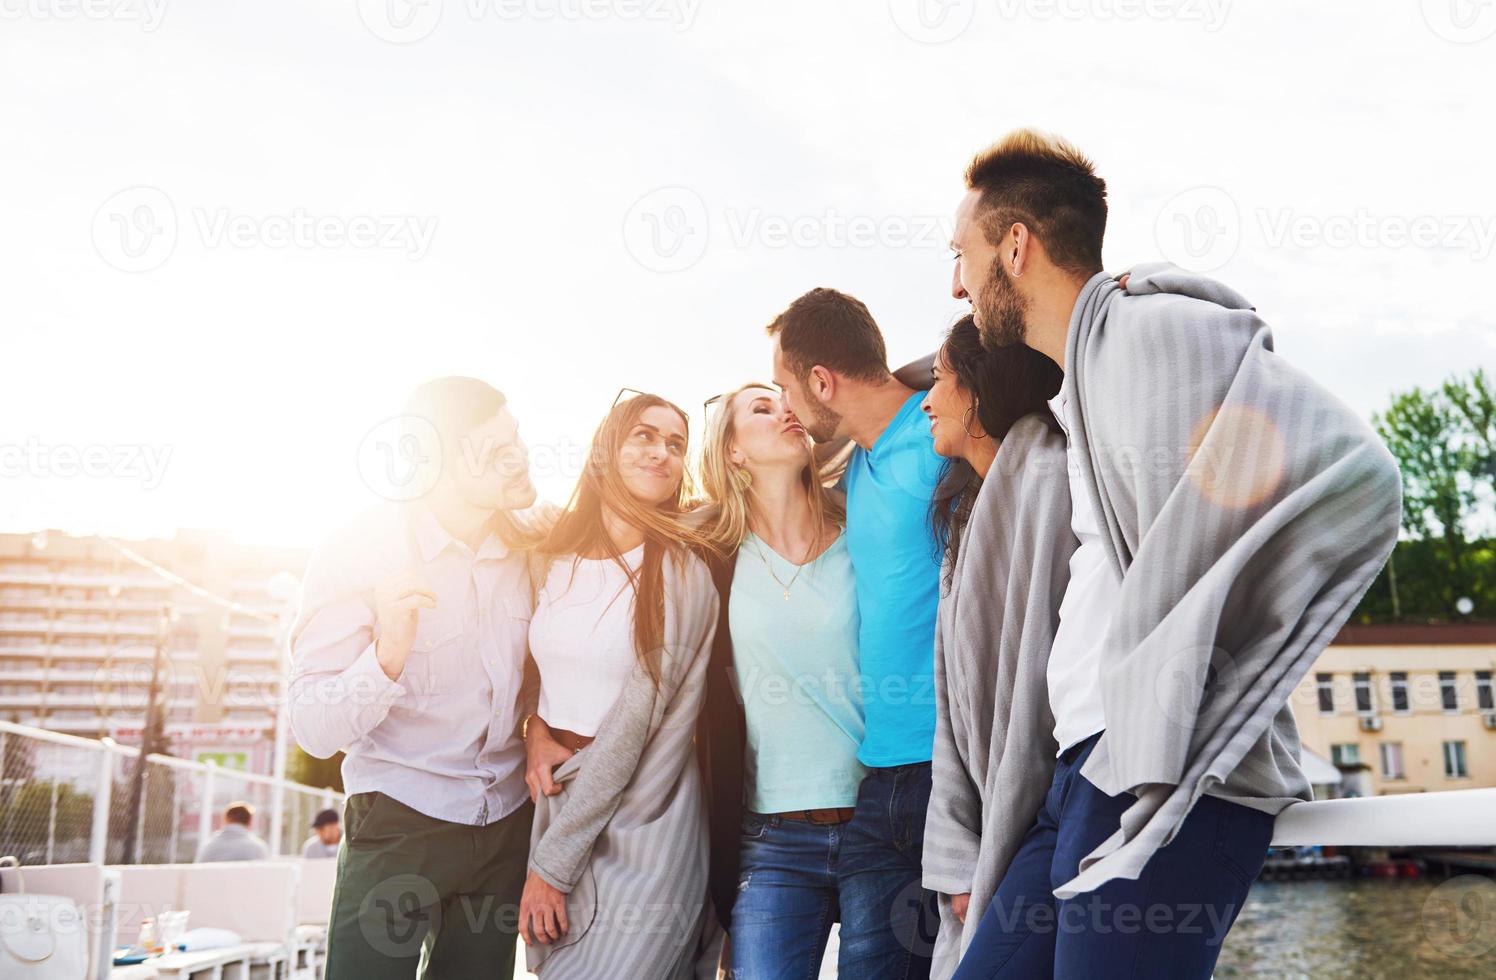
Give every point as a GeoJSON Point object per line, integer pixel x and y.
{"type": "Point", "coordinates": [822, 423]}
{"type": "Point", "coordinates": [1000, 310]}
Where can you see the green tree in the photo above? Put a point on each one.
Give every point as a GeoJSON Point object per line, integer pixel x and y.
{"type": "Point", "coordinates": [1444, 441]}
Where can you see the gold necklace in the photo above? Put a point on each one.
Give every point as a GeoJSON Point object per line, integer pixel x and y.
{"type": "Point", "coordinates": [761, 545]}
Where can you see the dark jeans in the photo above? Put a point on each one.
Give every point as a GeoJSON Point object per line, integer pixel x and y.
{"type": "Point", "coordinates": [410, 885]}
{"type": "Point", "coordinates": [1170, 922]}
{"type": "Point", "coordinates": [881, 863]}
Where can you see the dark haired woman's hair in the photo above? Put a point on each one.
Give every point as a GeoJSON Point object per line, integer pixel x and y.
{"type": "Point", "coordinates": [1006, 384]}
{"type": "Point", "coordinates": [581, 528]}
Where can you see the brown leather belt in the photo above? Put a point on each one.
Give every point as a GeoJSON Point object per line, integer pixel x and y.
{"type": "Point", "coordinates": [825, 815]}
{"type": "Point", "coordinates": [571, 740]}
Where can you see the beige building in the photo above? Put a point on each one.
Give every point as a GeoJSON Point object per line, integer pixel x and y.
{"type": "Point", "coordinates": [78, 627]}
{"type": "Point", "coordinates": [1404, 709]}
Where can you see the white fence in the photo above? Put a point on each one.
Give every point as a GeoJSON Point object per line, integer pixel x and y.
{"type": "Point", "coordinates": [65, 799]}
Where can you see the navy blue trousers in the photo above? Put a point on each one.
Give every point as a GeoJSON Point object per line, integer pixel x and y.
{"type": "Point", "coordinates": [1170, 922]}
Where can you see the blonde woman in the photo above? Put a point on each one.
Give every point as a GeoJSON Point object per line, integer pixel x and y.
{"type": "Point", "coordinates": [621, 637]}
{"type": "Point", "coordinates": [783, 722]}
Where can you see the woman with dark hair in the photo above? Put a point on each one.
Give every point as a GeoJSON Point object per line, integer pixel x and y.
{"type": "Point", "coordinates": [621, 636]}
{"type": "Point", "coordinates": [1002, 517]}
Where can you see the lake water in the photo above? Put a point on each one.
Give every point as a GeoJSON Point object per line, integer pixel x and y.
{"type": "Point", "coordinates": [1365, 927]}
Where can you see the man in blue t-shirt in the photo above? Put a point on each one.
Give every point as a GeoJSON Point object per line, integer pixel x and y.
{"type": "Point", "coordinates": [831, 364]}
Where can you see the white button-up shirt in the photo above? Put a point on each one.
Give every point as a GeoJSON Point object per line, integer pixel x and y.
{"type": "Point", "coordinates": [1074, 672]}
{"type": "Point", "coordinates": [442, 737]}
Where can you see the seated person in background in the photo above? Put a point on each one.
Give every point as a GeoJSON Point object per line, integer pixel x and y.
{"type": "Point", "coordinates": [235, 842]}
{"type": "Point", "coordinates": [327, 834]}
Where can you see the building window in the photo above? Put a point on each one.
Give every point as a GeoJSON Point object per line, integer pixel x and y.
{"type": "Point", "coordinates": [1326, 686]}
{"type": "Point", "coordinates": [1345, 754]}
{"type": "Point", "coordinates": [1454, 761]}
{"type": "Point", "coordinates": [1447, 693]}
{"type": "Point", "coordinates": [1392, 760]}
{"type": "Point", "coordinates": [1363, 693]}
{"type": "Point", "coordinates": [1399, 692]}
{"type": "Point", "coordinates": [1483, 693]}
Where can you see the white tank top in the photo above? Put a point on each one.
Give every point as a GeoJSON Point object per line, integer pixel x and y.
{"type": "Point", "coordinates": [582, 638]}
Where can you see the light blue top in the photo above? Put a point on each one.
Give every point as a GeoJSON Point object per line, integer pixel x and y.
{"type": "Point", "coordinates": [889, 488]}
{"type": "Point", "coordinates": [796, 665]}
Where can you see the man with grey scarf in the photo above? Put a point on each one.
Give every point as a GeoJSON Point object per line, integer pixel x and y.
{"type": "Point", "coordinates": [1230, 514]}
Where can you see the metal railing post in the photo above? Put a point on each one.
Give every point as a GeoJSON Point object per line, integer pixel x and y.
{"type": "Point", "coordinates": [205, 812]}
{"type": "Point", "coordinates": [98, 842]}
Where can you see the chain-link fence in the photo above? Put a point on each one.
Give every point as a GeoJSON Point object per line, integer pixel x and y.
{"type": "Point", "coordinates": [65, 799]}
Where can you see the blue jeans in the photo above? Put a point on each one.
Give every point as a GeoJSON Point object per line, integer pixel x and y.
{"type": "Point", "coordinates": [1170, 922]}
{"type": "Point", "coordinates": [881, 867]}
{"type": "Point", "coordinates": [788, 896]}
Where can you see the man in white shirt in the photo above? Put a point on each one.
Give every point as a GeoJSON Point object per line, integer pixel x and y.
{"type": "Point", "coordinates": [1028, 238]}
{"type": "Point", "coordinates": [409, 654]}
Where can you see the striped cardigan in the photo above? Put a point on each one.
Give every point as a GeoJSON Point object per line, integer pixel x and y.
{"type": "Point", "coordinates": [626, 838]}
{"type": "Point", "coordinates": [1246, 511]}
{"type": "Point", "coordinates": [994, 733]}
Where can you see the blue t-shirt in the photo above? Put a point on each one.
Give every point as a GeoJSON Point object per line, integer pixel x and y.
{"type": "Point", "coordinates": [897, 565]}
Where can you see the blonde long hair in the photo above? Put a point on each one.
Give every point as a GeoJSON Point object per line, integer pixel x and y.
{"type": "Point", "coordinates": [730, 489]}
{"type": "Point", "coordinates": [580, 527]}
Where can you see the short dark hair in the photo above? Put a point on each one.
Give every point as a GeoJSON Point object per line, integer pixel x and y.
{"type": "Point", "coordinates": [241, 813]}
{"type": "Point", "coordinates": [1044, 182]}
{"type": "Point", "coordinates": [325, 817]}
{"type": "Point", "coordinates": [455, 405]}
{"type": "Point", "coordinates": [834, 330]}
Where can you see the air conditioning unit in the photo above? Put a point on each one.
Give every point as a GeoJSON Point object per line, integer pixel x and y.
{"type": "Point", "coordinates": [1371, 723]}
{"type": "Point", "coordinates": [1489, 720]}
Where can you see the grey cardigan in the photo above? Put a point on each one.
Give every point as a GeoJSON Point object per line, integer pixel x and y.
{"type": "Point", "coordinates": [1246, 511]}
{"type": "Point", "coordinates": [994, 737]}
{"type": "Point", "coordinates": [626, 837]}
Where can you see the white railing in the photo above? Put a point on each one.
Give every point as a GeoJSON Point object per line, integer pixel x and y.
{"type": "Point", "coordinates": [66, 799]}
{"type": "Point", "coordinates": [1454, 818]}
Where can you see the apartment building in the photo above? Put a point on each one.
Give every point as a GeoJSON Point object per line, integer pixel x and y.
{"type": "Point", "coordinates": [1403, 708]}
{"type": "Point", "coordinates": [79, 623]}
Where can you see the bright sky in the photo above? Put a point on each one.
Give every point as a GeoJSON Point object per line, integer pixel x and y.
{"type": "Point", "coordinates": [237, 234]}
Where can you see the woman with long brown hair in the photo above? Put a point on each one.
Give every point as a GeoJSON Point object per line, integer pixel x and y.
{"type": "Point", "coordinates": [621, 635]}
{"type": "Point", "coordinates": [784, 715]}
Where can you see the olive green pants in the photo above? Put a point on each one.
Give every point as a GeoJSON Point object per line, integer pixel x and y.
{"type": "Point", "coordinates": [413, 886]}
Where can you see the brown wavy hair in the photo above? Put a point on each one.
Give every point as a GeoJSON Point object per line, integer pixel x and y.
{"type": "Point", "coordinates": [580, 528]}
